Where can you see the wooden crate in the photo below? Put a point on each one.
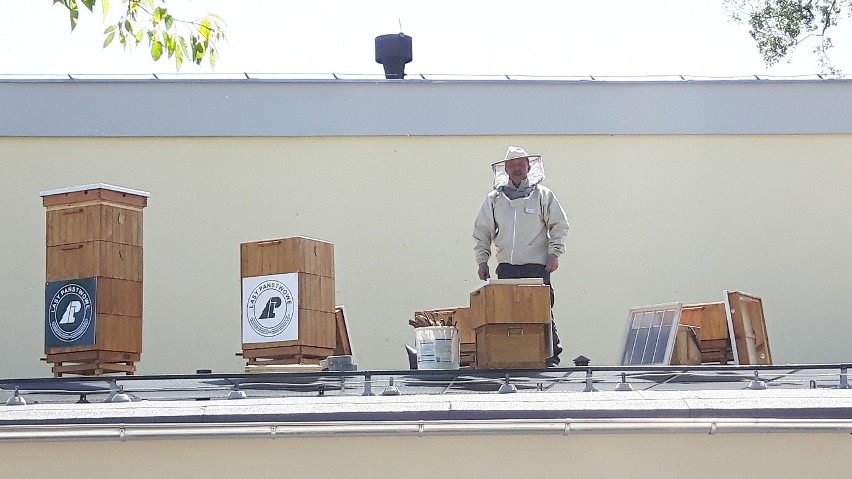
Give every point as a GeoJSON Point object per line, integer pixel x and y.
{"type": "Point", "coordinates": [510, 303]}
{"type": "Point", "coordinates": [95, 231]}
{"type": "Point", "coordinates": [512, 346]}
{"type": "Point", "coordinates": [287, 255]}
{"type": "Point", "coordinates": [711, 323]}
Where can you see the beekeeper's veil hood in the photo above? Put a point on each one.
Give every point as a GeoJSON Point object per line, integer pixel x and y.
{"type": "Point", "coordinates": [535, 175]}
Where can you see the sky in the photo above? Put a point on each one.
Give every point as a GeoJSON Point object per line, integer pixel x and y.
{"type": "Point", "coordinates": [567, 38]}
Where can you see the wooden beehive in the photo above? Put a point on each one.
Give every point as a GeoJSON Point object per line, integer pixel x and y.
{"type": "Point", "coordinates": [511, 320]}
{"type": "Point", "coordinates": [312, 261]}
{"type": "Point", "coordinates": [94, 238]}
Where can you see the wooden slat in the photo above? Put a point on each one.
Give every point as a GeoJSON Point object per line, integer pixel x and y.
{"type": "Point", "coordinates": [283, 361]}
{"type": "Point", "coordinates": [342, 345]}
{"type": "Point", "coordinates": [95, 368]}
{"type": "Point", "coordinates": [287, 351]}
{"type": "Point", "coordinates": [89, 356]}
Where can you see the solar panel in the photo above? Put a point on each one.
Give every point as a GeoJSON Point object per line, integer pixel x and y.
{"type": "Point", "coordinates": [650, 334]}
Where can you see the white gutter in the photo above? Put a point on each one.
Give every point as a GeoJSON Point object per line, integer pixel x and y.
{"type": "Point", "coordinates": [126, 432]}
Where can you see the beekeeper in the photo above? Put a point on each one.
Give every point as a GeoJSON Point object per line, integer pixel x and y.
{"type": "Point", "coordinates": [526, 224]}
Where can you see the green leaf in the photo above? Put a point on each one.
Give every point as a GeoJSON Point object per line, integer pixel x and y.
{"type": "Point", "coordinates": [109, 39]}
{"type": "Point", "coordinates": [139, 34]}
{"type": "Point", "coordinates": [109, 29]}
{"type": "Point", "coordinates": [89, 4]}
{"type": "Point", "coordinates": [212, 58]}
{"type": "Point", "coordinates": [204, 28]}
{"type": "Point", "coordinates": [169, 22]}
{"type": "Point", "coordinates": [128, 26]}
{"type": "Point", "coordinates": [75, 14]}
{"type": "Point", "coordinates": [156, 50]}
{"type": "Point", "coordinates": [178, 59]}
{"type": "Point", "coordinates": [105, 7]}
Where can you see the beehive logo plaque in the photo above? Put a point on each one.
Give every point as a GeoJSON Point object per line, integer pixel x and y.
{"type": "Point", "coordinates": [69, 313]}
{"type": "Point", "coordinates": [270, 308]}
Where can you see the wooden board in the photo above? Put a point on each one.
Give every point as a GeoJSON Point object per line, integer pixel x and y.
{"type": "Point", "coordinates": [511, 346]}
{"type": "Point", "coordinates": [508, 303]}
{"type": "Point", "coordinates": [96, 222]}
{"type": "Point", "coordinates": [90, 356]}
{"type": "Point", "coordinates": [748, 328]}
{"type": "Point", "coordinates": [287, 255]}
{"type": "Point", "coordinates": [687, 348]}
{"type": "Point", "coordinates": [343, 345]}
{"type": "Point", "coordinates": [94, 258]}
{"type": "Point", "coordinates": [287, 351]}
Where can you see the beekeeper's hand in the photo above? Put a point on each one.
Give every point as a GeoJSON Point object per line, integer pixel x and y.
{"type": "Point", "coordinates": [484, 274]}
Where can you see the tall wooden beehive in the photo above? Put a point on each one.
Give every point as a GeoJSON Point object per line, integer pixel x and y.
{"type": "Point", "coordinates": [309, 263]}
{"type": "Point", "coordinates": [93, 293]}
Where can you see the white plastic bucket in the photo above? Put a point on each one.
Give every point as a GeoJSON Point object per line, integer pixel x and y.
{"type": "Point", "coordinates": [437, 347]}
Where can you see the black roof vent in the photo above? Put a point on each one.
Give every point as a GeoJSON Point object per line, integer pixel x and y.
{"type": "Point", "coordinates": [393, 52]}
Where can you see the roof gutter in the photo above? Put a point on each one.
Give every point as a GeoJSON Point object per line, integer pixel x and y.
{"type": "Point", "coordinates": [128, 432]}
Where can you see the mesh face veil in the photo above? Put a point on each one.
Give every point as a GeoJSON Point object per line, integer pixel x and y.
{"type": "Point", "coordinates": [534, 177]}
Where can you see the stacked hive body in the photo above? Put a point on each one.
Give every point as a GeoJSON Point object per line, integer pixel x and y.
{"type": "Point", "coordinates": [93, 294]}
{"type": "Point", "coordinates": [288, 301]}
{"type": "Point", "coordinates": [512, 324]}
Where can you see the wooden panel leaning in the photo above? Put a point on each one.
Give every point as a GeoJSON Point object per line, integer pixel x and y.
{"type": "Point", "coordinates": [93, 293]}
{"type": "Point", "coordinates": [288, 301]}
{"type": "Point", "coordinates": [748, 327]}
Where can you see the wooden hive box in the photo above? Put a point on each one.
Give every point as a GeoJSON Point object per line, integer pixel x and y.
{"type": "Point", "coordinates": [93, 294]}
{"type": "Point", "coordinates": [499, 302]}
{"type": "Point", "coordinates": [512, 346]}
{"type": "Point", "coordinates": [274, 273]}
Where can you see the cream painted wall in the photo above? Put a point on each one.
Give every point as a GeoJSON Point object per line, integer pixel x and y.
{"type": "Point", "coordinates": [654, 219]}
{"type": "Point", "coordinates": [625, 455]}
